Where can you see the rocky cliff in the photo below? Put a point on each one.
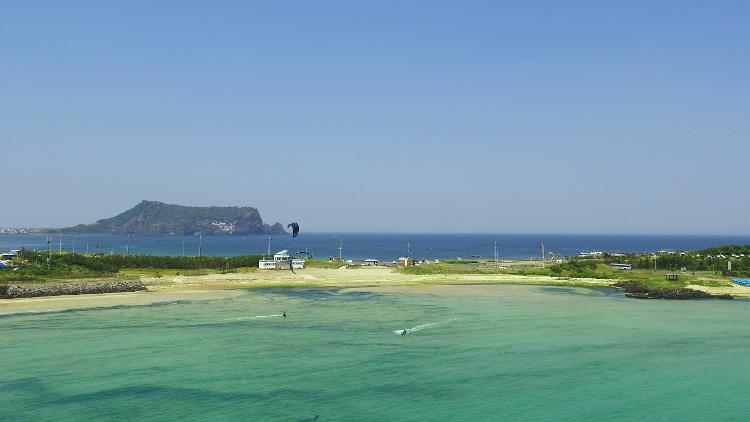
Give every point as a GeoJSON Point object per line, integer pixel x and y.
{"type": "Point", "coordinates": [155, 218]}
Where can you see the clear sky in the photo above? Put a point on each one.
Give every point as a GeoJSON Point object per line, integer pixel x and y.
{"type": "Point", "coordinates": [382, 116]}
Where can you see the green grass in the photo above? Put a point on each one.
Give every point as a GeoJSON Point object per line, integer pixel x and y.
{"type": "Point", "coordinates": [323, 263]}
{"type": "Point", "coordinates": [576, 270]}
{"type": "Point", "coordinates": [450, 268]}
{"type": "Point", "coordinates": [157, 272]}
{"type": "Point", "coordinates": [461, 261]}
{"type": "Point", "coordinates": [40, 273]}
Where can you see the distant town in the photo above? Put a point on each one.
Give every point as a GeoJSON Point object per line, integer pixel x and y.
{"type": "Point", "coordinates": [19, 230]}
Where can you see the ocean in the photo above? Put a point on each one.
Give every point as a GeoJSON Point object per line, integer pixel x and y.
{"type": "Point", "coordinates": [360, 246]}
{"type": "Point", "coordinates": [471, 353]}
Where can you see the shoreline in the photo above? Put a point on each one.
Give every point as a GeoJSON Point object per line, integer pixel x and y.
{"type": "Point", "coordinates": [44, 304]}
{"type": "Point", "coordinates": [216, 286]}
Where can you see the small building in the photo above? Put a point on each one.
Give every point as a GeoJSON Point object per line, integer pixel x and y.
{"type": "Point", "coordinates": [592, 254]}
{"type": "Point", "coordinates": [280, 261]}
{"type": "Point", "coordinates": [621, 267]}
{"type": "Point", "coordinates": [671, 276]}
{"type": "Point", "coordinates": [371, 262]}
{"type": "Point", "coordinates": [281, 255]}
{"type": "Point", "coordinates": [405, 262]}
{"type": "Point", "coordinates": [6, 259]}
{"type": "Point", "coordinates": [266, 264]}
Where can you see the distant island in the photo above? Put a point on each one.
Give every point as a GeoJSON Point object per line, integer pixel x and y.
{"type": "Point", "coordinates": [158, 218]}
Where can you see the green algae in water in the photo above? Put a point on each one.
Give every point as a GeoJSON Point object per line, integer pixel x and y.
{"type": "Point", "coordinates": [472, 353]}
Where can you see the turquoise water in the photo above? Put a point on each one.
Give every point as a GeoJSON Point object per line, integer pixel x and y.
{"type": "Point", "coordinates": [472, 353]}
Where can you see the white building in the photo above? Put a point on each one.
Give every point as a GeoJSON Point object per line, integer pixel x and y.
{"type": "Point", "coordinates": [592, 254]}
{"type": "Point", "coordinates": [281, 261]}
{"type": "Point", "coordinates": [266, 264]}
{"type": "Point", "coordinates": [405, 262]}
{"type": "Point", "coordinates": [281, 255]}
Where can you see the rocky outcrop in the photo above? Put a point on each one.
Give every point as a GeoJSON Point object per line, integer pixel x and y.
{"type": "Point", "coordinates": [637, 290]}
{"type": "Point", "coordinates": [13, 292]}
{"type": "Point", "coordinates": [157, 218]}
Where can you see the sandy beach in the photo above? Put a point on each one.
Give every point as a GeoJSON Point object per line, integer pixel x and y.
{"type": "Point", "coordinates": [215, 286]}
{"type": "Point", "coordinates": [367, 276]}
{"type": "Point", "coordinates": [60, 303]}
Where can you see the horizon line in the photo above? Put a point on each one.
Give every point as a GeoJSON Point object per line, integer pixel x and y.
{"type": "Point", "coordinates": [392, 233]}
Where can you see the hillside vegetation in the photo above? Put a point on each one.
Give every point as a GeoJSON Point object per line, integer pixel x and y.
{"type": "Point", "coordinates": [158, 218]}
{"type": "Point", "coordinates": [576, 268]}
{"type": "Point", "coordinates": [33, 265]}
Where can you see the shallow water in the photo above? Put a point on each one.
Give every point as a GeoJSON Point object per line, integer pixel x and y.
{"type": "Point", "coordinates": [472, 353]}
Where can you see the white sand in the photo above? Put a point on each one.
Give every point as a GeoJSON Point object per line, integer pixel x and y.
{"type": "Point", "coordinates": [174, 287]}
{"type": "Point", "coordinates": [58, 303]}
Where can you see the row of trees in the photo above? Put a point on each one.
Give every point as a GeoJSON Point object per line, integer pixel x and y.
{"type": "Point", "coordinates": [727, 250]}
{"type": "Point", "coordinates": [690, 261]}
{"type": "Point", "coordinates": [113, 263]}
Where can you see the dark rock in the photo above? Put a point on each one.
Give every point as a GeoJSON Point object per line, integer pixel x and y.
{"type": "Point", "coordinates": [637, 290]}
{"type": "Point", "coordinates": [13, 292]}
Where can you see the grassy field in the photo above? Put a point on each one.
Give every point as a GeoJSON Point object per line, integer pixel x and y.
{"type": "Point", "coordinates": [35, 270]}
{"type": "Point", "coordinates": [574, 270]}
{"type": "Point", "coordinates": [323, 263]}
{"type": "Point", "coordinates": [588, 273]}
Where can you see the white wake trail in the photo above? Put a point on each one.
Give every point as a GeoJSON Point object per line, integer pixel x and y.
{"type": "Point", "coordinates": [419, 327]}
{"type": "Point", "coordinates": [258, 316]}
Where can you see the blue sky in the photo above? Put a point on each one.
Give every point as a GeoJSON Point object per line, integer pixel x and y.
{"type": "Point", "coordinates": [389, 116]}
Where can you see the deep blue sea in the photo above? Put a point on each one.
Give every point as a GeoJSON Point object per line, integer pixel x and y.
{"type": "Point", "coordinates": [377, 246]}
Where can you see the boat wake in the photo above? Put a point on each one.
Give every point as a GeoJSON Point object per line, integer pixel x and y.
{"type": "Point", "coordinates": [418, 328]}
{"type": "Point", "coordinates": [257, 317]}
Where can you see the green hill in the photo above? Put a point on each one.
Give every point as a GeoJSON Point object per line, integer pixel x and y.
{"type": "Point", "coordinates": [154, 218]}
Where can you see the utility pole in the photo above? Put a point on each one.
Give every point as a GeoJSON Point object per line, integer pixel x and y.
{"type": "Point", "coordinates": [127, 246]}
{"type": "Point", "coordinates": [49, 252]}
{"type": "Point", "coordinates": [183, 248]}
{"type": "Point", "coordinates": [542, 254]}
{"type": "Point", "coordinates": [60, 242]}
{"type": "Point", "coordinates": [655, 262]}
{"type": "Point", "coordinates": [269, 246]}
{"type": "Point", "coordinates": [496, 263]}
{"type": "Point", "coordinates": [408, 250]}
{"type": "Point", "coordinates": [87, 248]}
{"type": "Point", "coordinates": [341, 248]}
{"type": "Point", "coordinates": [200, 245]}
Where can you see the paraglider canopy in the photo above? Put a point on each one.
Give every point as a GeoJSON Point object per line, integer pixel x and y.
{"type": "Point", "coordinates": [295, 228]}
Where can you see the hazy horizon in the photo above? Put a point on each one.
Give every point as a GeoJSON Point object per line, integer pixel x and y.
{"type": "Point", "coordinates": [501, 117]}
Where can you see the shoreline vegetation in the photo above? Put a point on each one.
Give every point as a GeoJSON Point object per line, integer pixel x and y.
{"type": "Point", "coordinates": [63, 271]}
